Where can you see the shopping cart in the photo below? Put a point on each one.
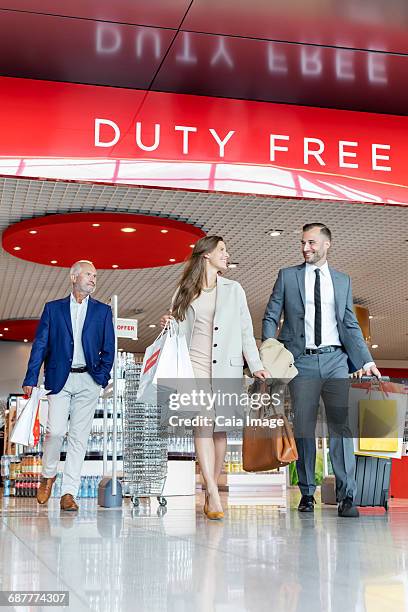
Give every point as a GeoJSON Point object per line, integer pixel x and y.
{"type": "Point", "coordinates": [144, 443]}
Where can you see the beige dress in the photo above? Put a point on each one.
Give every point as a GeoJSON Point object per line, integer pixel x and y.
{"type": "Point", "coordinates": [201, 341]}
{"type": "Point", "coordinates": [201, 345]}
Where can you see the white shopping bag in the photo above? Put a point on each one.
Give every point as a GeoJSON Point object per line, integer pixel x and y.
{"type": "Point", "coordinates": [184, 366]}
{"type": "Point", "coordinates": [165, 364]}
{"type": "Point", "coordinates": [160, 361]}
{"type": "Point", "coordinates": [27, 427]}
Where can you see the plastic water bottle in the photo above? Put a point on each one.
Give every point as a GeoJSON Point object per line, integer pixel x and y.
{"type": "Point", "coordinates": [84, 487]}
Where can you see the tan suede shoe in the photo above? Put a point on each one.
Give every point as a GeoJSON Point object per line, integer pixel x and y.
{"type": "Point", "coordinates": [68, 503]}
{"type": "Point", "coordinates": [44, 490]}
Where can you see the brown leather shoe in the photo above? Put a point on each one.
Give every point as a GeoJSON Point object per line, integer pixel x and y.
{"type": "Point", "coordinates": [68, 503]}
{"type": "Point", "coordinates": [44, 490]}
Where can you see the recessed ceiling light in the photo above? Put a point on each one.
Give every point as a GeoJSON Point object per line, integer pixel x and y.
{"type": "Point", "coordinates": [172, 259]}
{"type": "Point", "coordinates": [164, 231]}
{"type": "Point", "coordinates": [33, 232]}
{"type": "Point", "coordinates": [232, 265]}
{"type": "Point", "coordinates": [53, 261]}
{"type": "Point", "coordinates": [6, 329]}
{"type": "Point", "coordinates": [115, 266]}
{"type": "Point", "coordinates": [374, 346]}
{"type": "Point", "coordinates": [192, 246]}
{"type": "Point", "coordinates": [120, 350]}
{"type": "Point", "coordinates": [25, 340]}
{"type": "Point", "coordinates": [275, 232]}
{"type": "Point", "coordinates": [128, 230]}
{"type": "Point", "coordinates": [1, 335]}
{"type": "Point", "coordinates": [96, 225]}
{"type": "Point", "coordinates": [17, 248]}
{"type": "Point", "coordinates": [371, 316]}
{"type": "Point", "coordinates": [152, 325]}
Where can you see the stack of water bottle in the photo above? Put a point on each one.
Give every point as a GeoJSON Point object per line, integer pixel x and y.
{"type": "Point", "coordinates": [88, 486]}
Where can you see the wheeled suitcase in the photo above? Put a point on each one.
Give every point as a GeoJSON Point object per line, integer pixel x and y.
{"type": "Point", "coordinates": [373, 481]}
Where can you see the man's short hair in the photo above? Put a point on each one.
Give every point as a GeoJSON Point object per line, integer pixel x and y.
{"type": "Point", "coordinates": [323, 229]}
{"type": "Point", "coordinates": [76, 267]}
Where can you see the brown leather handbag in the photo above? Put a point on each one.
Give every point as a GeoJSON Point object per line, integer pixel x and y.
{"type": "Point", "coordinates": [266, 447]}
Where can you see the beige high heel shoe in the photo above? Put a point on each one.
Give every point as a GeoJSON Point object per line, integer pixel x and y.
{"type": "Point", "coordinates": [213, 516]}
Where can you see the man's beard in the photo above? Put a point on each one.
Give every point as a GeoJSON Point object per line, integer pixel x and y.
{"type": "Point", "coordinates": [316, 256]}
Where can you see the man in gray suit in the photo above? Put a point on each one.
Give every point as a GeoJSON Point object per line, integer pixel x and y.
{"type": "Point", "coordinates": [322, 332]}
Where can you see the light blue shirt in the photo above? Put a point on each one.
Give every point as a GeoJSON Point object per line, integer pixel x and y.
{"type": "Point", "coordinates": [78, 314]}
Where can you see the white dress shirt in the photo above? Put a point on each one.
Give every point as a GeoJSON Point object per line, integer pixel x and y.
{"type": "Point", "coordinates": [330, 332]}
{"type": "Point", "coordinates": [78, 314]}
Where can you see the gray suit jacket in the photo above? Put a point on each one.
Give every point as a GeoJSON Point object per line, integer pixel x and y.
{"type": "Point", "coordinates": [288, 295]}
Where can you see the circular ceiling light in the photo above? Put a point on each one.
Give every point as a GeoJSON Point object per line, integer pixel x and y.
{"type": "Point", "coordinates": [374, 346]}
{"type": "Point", "coordinates": [33, 232]}
{"type": "Point", "coordinates": [16, 248]}
{"type": "Point", "coordinates": [57, 245]}
{"type": "Point", "coordinates": [164, 231]}
{"type": "Point", "coordinates": [232, 265]}
{"type": "Point", "coordinates": [172, 260]}
{"type": "Point", "coordinates": [128, 230]}
{"type": "Point", "coordinates": [152, 325]}
{"type": "Point", "coordinates": [115, 266]}
{"type": "Point", "coordinates": [275, 232]}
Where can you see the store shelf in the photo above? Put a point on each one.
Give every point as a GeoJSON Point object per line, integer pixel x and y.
{"type": "Point", "coordinates": [91, 456]}
{"type": "Point", "coordinates": [174, 456]}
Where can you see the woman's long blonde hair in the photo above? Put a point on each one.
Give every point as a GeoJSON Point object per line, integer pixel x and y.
{"type": "Point", "coordinates": [192, 278]}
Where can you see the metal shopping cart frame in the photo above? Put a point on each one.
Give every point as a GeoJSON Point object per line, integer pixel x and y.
{"type": "Point", "coordinates": [144, 443]}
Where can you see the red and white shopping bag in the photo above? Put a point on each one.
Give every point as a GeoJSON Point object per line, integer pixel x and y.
{"type": "Point", "coordinates": [167, 359]}
{"type": "Point", "coordinates": [26, 430]}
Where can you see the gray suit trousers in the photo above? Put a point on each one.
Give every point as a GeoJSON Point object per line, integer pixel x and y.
{"type": "Point", "coordinates": [325, 376]}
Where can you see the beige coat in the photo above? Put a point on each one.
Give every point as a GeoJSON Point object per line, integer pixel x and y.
{"type": "Point", "coordinates": [233, 334]}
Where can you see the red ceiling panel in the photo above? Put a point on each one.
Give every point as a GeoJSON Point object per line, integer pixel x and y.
{"type": "Point", "coordinates": [360, 24]}
{"type": "Point", "coordinates": [135, 241]}
{"type": "Point", "coordinates": [158, 13]}
{"type": "Point", "coordinates": [55, 48]}
{"type": "Point", "coordinates": [285, 72]}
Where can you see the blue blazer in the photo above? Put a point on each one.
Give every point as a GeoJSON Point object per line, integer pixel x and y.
{"type": "Point", "coordinates": [54, 344]}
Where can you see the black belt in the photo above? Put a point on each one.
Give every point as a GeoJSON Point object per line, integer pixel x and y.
{"type": "Point", "coordinates": [79, 370]}
{"type": "Point", "coordinates": [322, 349]}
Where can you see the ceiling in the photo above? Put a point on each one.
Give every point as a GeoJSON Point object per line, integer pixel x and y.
{"type": "Point", "coordinates": [350, 54]}
{"type": "Point", "coordinates": [370, 243]}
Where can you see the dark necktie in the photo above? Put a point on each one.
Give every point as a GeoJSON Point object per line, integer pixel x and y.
{"type": "Point", "coordinates": [318, 310]}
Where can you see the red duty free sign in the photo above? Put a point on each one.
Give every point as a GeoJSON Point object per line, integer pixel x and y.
{"type": "Point", "coordinates": [82, 132]}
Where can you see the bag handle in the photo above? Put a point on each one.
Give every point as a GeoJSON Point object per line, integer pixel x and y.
{"type": "Point", "coordinates": [381, 388]}
{"type": "Point", "coordinates": [171, 327]}
{"type": "Point", "coordinates": [263, 389]}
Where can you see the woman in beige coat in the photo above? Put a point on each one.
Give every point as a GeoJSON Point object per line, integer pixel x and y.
{"type": "Point", "coordinates": [213, 314]}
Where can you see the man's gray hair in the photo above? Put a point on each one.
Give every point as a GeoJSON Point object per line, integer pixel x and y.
{"type": "Point", "coordinates": [77, 266]}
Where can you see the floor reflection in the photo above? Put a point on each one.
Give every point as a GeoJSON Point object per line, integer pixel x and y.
{"type": "Point", "coordinates": [261, 557]}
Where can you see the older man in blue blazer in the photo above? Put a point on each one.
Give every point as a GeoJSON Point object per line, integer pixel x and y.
{"type": "Point", "coordinates": [322, 332]}
{"type": "Point", "coordinates": [75, 341]}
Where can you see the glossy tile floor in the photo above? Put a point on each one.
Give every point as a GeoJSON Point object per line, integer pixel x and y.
{"type": "Point", "coordinates": [260, 558]}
